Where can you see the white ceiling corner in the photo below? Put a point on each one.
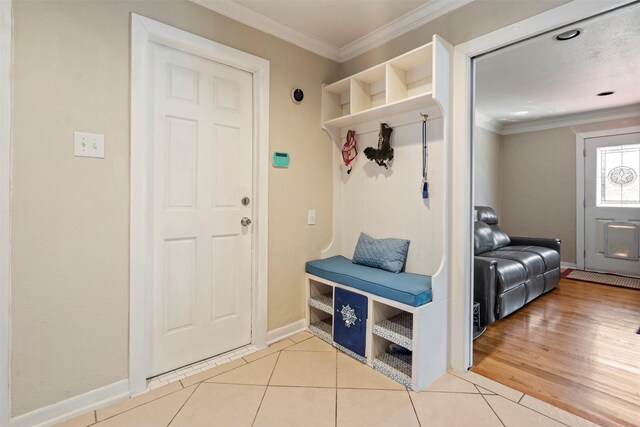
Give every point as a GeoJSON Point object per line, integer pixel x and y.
{"type": "Point", "coordinates": [263, 23]}
{"type": "Point", "coordinates": [392, 29]}
{"type": "Point", "coordinates": [573, 119]}
{"type": "Point", "coordinates": [410, 21]}
{"type": "Point", "coordinates": [488, 123]}
{"type": "Point", "coordinates": [616, 113]}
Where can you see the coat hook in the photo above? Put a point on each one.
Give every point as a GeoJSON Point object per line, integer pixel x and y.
{"type": "Point", "coordinates": [424, 116]}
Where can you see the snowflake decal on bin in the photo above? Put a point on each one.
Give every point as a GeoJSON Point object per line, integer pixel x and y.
{"type": "Point", "coordinates": [348, 316]}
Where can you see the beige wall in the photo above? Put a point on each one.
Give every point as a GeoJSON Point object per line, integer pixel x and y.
{"type": "Point", "coordinates": [468, 22]}
{"type": "Point", "coordinates": [539, 182]}
{"type": "Point", "coordinates": [70, 215]}
{"type": "Point", "coordinates": [487, 151]}
{"type": "Point", "coordinates": [539, 186]}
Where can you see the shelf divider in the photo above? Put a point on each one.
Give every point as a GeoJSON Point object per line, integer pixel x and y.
{"type": "Point", "coordinates": [322, 302]}
{"type": "Point", "coordinates": [398, 329]}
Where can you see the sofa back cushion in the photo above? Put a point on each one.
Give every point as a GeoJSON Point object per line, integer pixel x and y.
{"type": "Point", "coordinates": [487, 215]}
{"type": "Point", "coordinates": [499, 239]}
{"type": "Point", "coordinates": [482, 238]}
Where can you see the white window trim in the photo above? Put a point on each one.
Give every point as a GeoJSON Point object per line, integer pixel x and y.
{"type": "Point", "coordinates": [580, 147]}
{"type": "Point", "coordinates": [144, 31]}
{"type": "Point", "coordinates": [461, 278]}
{"type": "Point", "coordinates": [5, 209]}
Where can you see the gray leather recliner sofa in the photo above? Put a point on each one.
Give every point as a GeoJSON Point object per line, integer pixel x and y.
{"type": "Point", "coordinates": [509, 271]}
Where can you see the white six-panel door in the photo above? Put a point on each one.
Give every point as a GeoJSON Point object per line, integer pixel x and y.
{"type": "Point", "coordinates": [202, 169]}
{"type": "Point", "coordinates": [612, 195]}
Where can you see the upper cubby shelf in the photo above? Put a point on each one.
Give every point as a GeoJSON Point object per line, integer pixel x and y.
{"type": "Point", "coordinates": [402, 84]}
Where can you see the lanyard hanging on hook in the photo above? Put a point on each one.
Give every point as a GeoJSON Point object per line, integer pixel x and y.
{"type": "Point", "coordinates": [425, 183]}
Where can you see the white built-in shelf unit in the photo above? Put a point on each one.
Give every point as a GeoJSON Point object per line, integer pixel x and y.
{"type": "Point", "coordinates": [395, 92]}
{"type": "Point", "coordinates": [402, 84]}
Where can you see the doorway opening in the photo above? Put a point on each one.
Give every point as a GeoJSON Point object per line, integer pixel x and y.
{"type": "Point", "coordinates": [547, 335]}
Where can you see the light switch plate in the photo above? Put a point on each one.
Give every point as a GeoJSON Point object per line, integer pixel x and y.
{"type": "Point", "coordinates": [88, 145]}
{"type": "Point", "coordinates": [311, 217]}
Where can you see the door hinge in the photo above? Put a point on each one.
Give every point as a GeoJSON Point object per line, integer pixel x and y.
{"type": "Point", "coordinates": [584, 203]}
{"type": "Point", "coordinates": [584, 152]}
{"type": "Point", "coordinates": [584, 253]}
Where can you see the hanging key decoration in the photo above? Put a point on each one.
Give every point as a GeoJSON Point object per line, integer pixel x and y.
{"type": "Point", "coordinates": [350, 150]}
{"type": "Point", "coordinates": [425, 158]}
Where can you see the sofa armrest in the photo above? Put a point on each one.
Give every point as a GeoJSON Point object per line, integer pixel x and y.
{"type": "Point", "coordinates": [536, 241]}
{"type": "Point", "coordinates": [485, 288]}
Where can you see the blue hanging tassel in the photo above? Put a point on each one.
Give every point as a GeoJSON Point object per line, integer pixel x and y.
{"type": "Point", "coordinates": [425, 184]}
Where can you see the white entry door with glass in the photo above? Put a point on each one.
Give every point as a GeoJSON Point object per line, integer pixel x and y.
{"type": "Point", "coordinates": [612, 204]}
{"type": "Point", "coordinates": [201, 114]}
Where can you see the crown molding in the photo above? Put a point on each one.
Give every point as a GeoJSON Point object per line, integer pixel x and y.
{"type": "Point", "coordinates": [263, 23]}
{"type": "Point", "coordinates": [573, 119]}
{"type": "Point", "coordinates": [487, 123]}
{"type": "Point", "coordinates": [412, 20]}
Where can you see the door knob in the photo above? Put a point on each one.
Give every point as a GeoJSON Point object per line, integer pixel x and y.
{"type": "Point", "coordinates": [245, 221]}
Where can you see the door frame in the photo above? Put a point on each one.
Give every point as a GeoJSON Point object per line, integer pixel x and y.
{"type": "Point", "coordinates": [6, 54]}
{"type": "Point", "coordinates": [462, 198]}
{"type": "Point", "coordinates": [143, 32]}
{"type": "Point", "coordinates": [580, 155]}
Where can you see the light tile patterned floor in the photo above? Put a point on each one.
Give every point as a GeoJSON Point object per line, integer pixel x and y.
{"type": "Point", "coordinates": [179, 374]}
{"type": "Point", "coordinates": [302, 381]}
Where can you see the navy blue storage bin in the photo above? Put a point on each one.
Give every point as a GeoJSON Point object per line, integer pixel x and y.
{"type": "Point", "coordinates": [350, 320]}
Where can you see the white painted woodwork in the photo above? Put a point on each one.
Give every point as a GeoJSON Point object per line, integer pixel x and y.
{"type": "Point", "coordinates": [144, 32]}
{"type": "Point", "coordinates": [597, 217]}
{"type": "Point", "coordinates": [6, 55]}
{"type": "Point", "coordinates": [202, 162]}
{"type": "Point", "coordinates": [396, 86]}
{"type": "Point", "coordinates": [388, 203]}
{"type": "Point", "coordinates": [427, 362]}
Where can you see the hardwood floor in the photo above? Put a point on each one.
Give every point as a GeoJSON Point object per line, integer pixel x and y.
{"type": "Point", "coordinates": [575, 347]}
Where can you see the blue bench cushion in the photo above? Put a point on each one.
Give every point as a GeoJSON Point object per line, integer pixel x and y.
{"type": "Point", "coordinates": [408, 288]}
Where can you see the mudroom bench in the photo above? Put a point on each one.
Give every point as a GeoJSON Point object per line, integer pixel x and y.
{"type": "Point", "coordinates": [362, 310]}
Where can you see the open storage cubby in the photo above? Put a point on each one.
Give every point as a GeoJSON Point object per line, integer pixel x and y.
{"type": "Point", "coordinates": [396, 366]}
{"type": "Point", "coordinates": [402, 84]}
{"type": "Point", "coordinates": [398, 329]}
{"type": "Point", "coordinates": [320, 310]}
{"type": "Point", "coordinates": [392, 325]}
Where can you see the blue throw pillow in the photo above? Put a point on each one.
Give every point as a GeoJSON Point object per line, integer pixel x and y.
{"type": "Point", "coordinates": [387, 254]}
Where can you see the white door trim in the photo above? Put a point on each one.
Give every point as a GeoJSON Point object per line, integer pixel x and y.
{"type": "Point", "coordinates": [580, 137]}
{"type": "Point", "coordinates": [460, 280]}
{"type": "Point", "coordinates": [5, 209]}
{"type": "Point", "coordinates": [144, 31]}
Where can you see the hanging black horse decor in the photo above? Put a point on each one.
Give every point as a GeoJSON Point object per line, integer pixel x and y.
{"type": "Point", "coordinates": [383, 155]}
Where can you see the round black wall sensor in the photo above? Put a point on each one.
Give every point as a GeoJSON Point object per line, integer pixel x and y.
{"type": "Point", "coordinates": [297, 95]}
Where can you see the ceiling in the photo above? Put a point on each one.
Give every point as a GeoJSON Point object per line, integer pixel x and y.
{"type": "Point", "coordinates": [336, 29]}
{"type": "Point", "coordinates": [337, 22]}
{"type": "Point", "coordinates": [544, 78]}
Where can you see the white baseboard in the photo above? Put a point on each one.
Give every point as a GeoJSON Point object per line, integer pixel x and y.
{"type": "Point", "coordinates": [568, 265]}
{"type": "Point", "coordinates": [74, 406]}
{"type": "Point", "coordinates": [286, 331]}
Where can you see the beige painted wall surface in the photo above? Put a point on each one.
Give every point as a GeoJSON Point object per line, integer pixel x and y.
{"type": "Point", "coordinates": [468, 22]}
{"type": "Point", "coordinates": [487, 151]}
{"type": "Point", "coordinates": [71, 215]}
{"type": "Point", "coordinates": [539, 182]}
{"type": "Point", "coordinates": [539, 186]}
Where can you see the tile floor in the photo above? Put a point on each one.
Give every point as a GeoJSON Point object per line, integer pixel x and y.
{"type": "Point", "coordinates": [178, 374]}
{"type": "Point", "coordinates": [302, 381]}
